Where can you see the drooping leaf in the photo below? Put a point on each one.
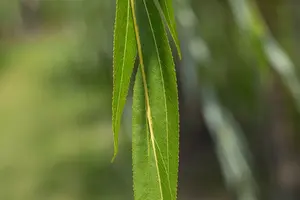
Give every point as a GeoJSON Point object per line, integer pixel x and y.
{"type": "Point", "coordinates": [155, 137]}
{"type": "Point", "coordinates": [167, 13]}
{"type": "Point", "coordinates": [123, 62]}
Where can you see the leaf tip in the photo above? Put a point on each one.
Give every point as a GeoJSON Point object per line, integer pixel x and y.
{"type": "Point", "coordinates": [179, 53]}
{"type": "Point", "coordinates": [115, 153]}
{"type": "Point", "coordinates": [113, 159]}
{"type": "Point", "coordinates": [116, 141]}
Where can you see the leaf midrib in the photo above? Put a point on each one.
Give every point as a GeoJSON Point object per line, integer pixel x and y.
{"type": "Point", "coordinates": [147, 101]}
{"type": "Point", "coordinates": [164, 96]}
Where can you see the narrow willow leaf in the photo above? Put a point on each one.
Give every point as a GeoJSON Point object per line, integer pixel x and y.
{"type": "Point", "coordinates": [155, 139]}
{"type": "Point", "coordinates": [123, 62]}
{"type": "Point", "coordinates": [167, 13]}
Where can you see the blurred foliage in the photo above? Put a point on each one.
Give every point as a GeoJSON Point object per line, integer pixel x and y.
{"type": "Point", "coordinates": [55, 105]}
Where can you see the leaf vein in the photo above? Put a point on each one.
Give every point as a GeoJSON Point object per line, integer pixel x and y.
{"type": "Point", "coordinates": [164, 89]}
{"type": "Point", "coordinates": [148, 110]}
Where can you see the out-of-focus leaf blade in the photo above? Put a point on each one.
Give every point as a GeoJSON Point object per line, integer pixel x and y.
{"type": "Point", "coordinates": [231, 147]}
{"type": "Point", "coordinates": [251, 22]}
{"type": "Point", "coordinates": [155, 139]}
{"type": "Point", "coordinates": [123, 62]}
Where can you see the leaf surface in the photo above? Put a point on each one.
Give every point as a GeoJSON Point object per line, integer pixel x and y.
{"type": "Point", "coordinates": [155, 139]}
{"type": "Point", "coordinates": [165, 7]}
{"type": "Point", "coordinates": [123, 62]}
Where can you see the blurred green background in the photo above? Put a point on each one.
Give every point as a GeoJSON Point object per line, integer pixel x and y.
{"type": "Point", "coordinates": [55, 100]}
{"type": "Point", "coordinates": [55, 88]}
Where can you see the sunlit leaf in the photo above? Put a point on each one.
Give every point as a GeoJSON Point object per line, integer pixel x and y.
{"type": "Point", "coordinates": [123, 62]}
{"type": "Point", "coordinates": [155, 140]}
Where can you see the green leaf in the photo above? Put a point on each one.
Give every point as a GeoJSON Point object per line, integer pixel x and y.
{"type": "Point", "coordinates": [167, 13]}
{"type": "Point", "coordinates": [155, 139]}
{"type": "Point", "coordinates": [123, 62]}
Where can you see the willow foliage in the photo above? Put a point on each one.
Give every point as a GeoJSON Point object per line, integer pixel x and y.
{"type": "Point", "coordinates": [141, 30]}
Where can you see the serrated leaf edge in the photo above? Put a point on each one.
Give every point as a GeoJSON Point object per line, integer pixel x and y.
{"type": "Point", "coordinates": [116, 134]}
{"type": "Point", "coordinates": [170, 27]}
